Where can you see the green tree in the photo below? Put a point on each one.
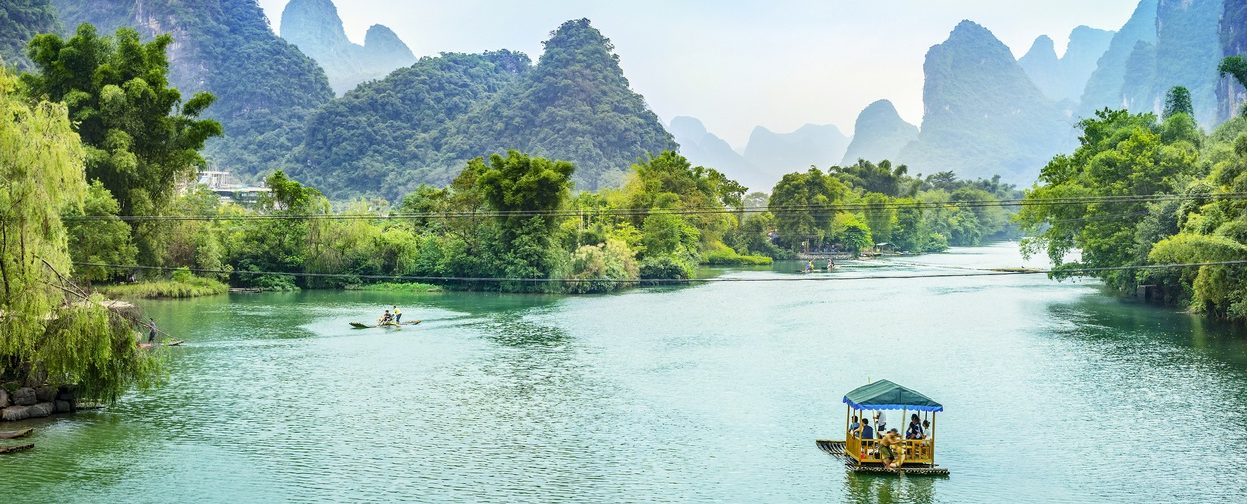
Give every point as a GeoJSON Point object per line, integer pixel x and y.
{"type": "Point", "coordinates": [880, 216]}
{"type": "Point", "coordinates": [523, 189]}
{"type": "Point", "coordinates": [910, 233]}
{"type": "Point", "coordinates": [52, 330]}
{"type": "Point", "coordinates": [1121, 154]}
{"type": "Point", "coordinates": [800, 203]}
{"type": "Point", "coordinates": [1178, 101]}
{"type": "Point", "coordinates": [265, 252]}
{"type": "Point", "coordinates": [140, 138]}
{"type": "Point", "coordinates": [1235, 66]}
{"type": "Point", "coordinates": [101, 240]}
{"type": "Point", "coordinates": [851, 232]}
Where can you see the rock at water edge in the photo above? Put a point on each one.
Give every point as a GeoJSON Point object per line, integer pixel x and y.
{"type": "Point", "coordinates": [41, 410]}
{"type": "Point", "coordinates": [25, 397]}
{"type": "Point", "coordinates": [14, 413]}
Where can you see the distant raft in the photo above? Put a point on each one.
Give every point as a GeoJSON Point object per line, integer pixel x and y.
{"type": "Point", "coordinates": [15, 449]}
{"type": "Point", "coordinates": [361, 325]}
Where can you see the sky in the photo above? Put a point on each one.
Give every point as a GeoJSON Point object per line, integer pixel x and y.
{"type": "Point", "coordinates": [738, 64]}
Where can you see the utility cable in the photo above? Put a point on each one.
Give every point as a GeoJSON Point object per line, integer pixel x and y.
{"type": "Point", "coordinates": [983, 272]}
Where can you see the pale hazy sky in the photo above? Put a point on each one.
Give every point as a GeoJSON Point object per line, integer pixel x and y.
{"type": "Point", "coordinates": [736, 64]}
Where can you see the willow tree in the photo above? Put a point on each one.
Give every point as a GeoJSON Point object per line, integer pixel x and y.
{"type": "Point", "coordinates": [50, 331]}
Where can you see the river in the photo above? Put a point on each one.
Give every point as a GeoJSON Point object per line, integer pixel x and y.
{"type": "Point", "coordinates": [1054, 392]}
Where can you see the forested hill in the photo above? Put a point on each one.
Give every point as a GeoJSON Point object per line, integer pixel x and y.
{"type": "Point", "coordinates": [265, 87]}
{"type": "Point", "coordinates": [20, 21]}
{"type": "Point", "coordinates": [421, 124]}
{"type": "Point", "coordinates": [384, 137]}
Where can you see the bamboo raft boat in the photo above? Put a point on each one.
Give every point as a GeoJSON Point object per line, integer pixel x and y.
{"type": "Point", "coordinates": [361, 325]}
{"type": "Point", "coordinates": [837, 449]}
{"type": "Point", "coordinates": [17, 434]}
{"type": "Point", "coordinates": [863, 452]}
{"type": "Point", "coordinates": [4, 450]}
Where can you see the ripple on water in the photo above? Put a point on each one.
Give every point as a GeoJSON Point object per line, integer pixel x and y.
{"type": "Point", "coordinates": [709, 393]}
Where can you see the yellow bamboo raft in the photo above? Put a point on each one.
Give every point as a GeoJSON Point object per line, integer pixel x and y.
{"type": "Point", "coordinates": [836, 449]}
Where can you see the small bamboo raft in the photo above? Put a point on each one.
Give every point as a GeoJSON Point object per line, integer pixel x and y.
{"type": "Point", "coordinates": [17, 434]}
{"type": "Point", "coordinates": [14, 449]}
{"type": "Point", "coordinates": [836, 449]}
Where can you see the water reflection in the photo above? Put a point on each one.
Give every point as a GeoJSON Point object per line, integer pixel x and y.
{"type": "Point", "coordinates": [702, 393]}
{"type": "Point", "coordinates": [870, 488]}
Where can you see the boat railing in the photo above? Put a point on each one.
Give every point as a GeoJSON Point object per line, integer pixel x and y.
{"type": "Point", "coordinates": [866, 451]}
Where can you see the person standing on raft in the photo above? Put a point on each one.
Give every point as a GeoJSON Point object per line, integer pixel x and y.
{"type": "Point", "coordinates": [151, 331]}
{"type": "Point", "coordinates": [398, 315]}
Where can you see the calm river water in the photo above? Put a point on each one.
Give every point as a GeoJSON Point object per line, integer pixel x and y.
{"type": "Point", "coordinates": [1054, 393]}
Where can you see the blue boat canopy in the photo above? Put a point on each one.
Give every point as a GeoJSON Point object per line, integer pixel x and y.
{"type": "Point", "coordinates": [885, 395]}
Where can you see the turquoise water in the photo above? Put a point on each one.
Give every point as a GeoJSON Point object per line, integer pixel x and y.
{"type": "Point", "coordinates": [1054, 393]}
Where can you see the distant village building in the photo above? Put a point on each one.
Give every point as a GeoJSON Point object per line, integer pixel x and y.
{"type": "Point", "coordinates": [228, 187]}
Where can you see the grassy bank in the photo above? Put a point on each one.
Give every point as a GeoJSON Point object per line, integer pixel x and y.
{"type": "Point", "coordinates": [725, 256]}
{"type": "Point", "coordinates": [158, 289]}
{"type": "Point", "coordinates": [397, 287]}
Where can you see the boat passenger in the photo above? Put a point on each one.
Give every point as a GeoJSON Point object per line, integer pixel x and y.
{"type": "Point", "coordinates": [866, 432]}
{"type": "Point", "coordinates": [890, 449]}
{"type": "Point", "coordinates": [398, 315]}
{"type": "Point", "coordinates": [809, 266]}
{"type": "Point", "coordinates": [881, 423]}
{"type": "Point", "coordinates": [915, 430]}
{"type": "Point", "coordinates": [926, 428]}
{"type": "Point", "coordinates": [386, 318]}
{"type": "Point", "coordinates": [831, 264]}
{"type": "Point", "coordinates": [855, 424]}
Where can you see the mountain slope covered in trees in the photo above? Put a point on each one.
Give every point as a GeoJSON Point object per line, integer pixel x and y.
{"type": "Point", "coordinates": [574, 105]}
{"type": "Point", "coordinates": [316, 29]}
{"type": "Point", "coordinates": [265, 87]}
{"type": "Point", "coordinates": [385, 136]}
{"type": "Point", "coordinates": [20, 21]}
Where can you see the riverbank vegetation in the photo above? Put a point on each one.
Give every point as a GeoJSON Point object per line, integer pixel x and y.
{"type": "Point", "coordinates": [54, 332]}
{"type": "Point", "coordinates": [183, 284]}
{"type": "Point", "coordinates": [1123, 156]}
{"type": "Point", "coordinates": [410, 287]}
{"type": "Point", "coordinates": [508, 222]}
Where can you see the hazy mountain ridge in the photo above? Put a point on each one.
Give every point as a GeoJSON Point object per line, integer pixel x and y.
{"type": "Point", "coordinates": [316, 29]}
{"type": "Point", "coordinates": [703, 148]}
{"type": "Point", "coordinates": [777, 154]}
{"type": "Point", "coordinates": [984, 116]}
{"type": "Point", "coordinates": [1104, 88]}
{"type": "Point", "coordinates": [1065, 78]}
{"type": "Point", "coordinates": [879, 134]}
{"type": "Point", "coordinates": [1165, 43]}
{"type": "Point", "coordinates": [1188, 50]}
